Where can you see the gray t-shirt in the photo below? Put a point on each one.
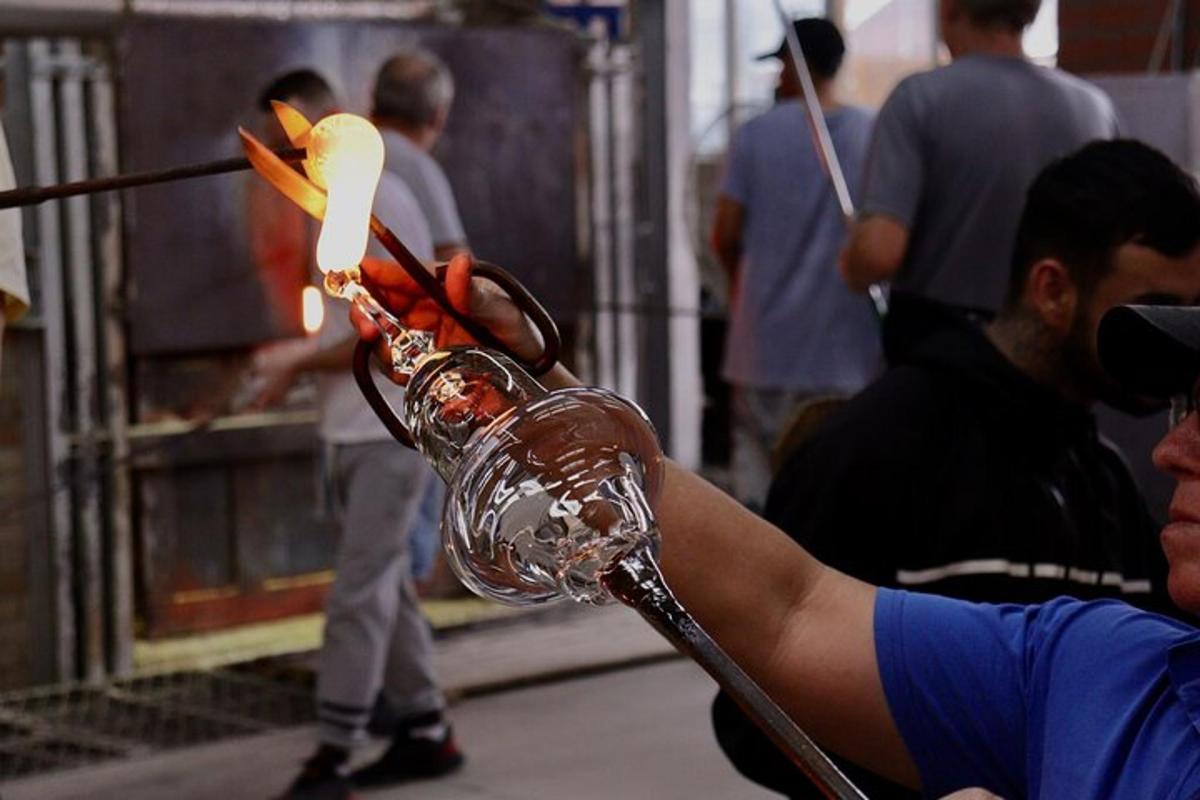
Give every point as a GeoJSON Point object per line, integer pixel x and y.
{"type": "Point", "coordinates": [955, 150]}
{"type": "Point", "coordinates": [345, 417]}
{"type": "Point", "coordinates": [428, 183]}
{"type": "Point", "coordinates": [794, 325]}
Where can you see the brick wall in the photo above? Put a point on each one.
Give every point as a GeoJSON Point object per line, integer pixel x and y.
{"type": "Point", "coordinates": [1106, 36]}
{"type": "Point", "coordinates": [14, 537]}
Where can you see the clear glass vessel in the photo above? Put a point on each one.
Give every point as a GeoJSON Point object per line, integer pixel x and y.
{"type": "Point", "coordinates": [547, 489]}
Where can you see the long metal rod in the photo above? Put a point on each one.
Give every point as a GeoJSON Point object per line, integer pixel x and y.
{"type": "Point", "coordinates": [33, 195]}
{"type": "Point", "coordinates": [824, 142]}
{"type": "Point", "coordinates": [637, 581]}
{"type": "Point", "coordinates": [816, 116]}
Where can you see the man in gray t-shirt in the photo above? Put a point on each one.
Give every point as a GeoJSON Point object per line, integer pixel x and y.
{"type": "Point", "coordinates": [412, 98]}
{"type": "Point", "coordinates": [953, 153]}
{"type": "Point", "coordinates": [376, 641]}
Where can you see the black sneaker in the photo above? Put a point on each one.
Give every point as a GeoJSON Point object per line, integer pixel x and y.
{"type": "Point", "coordinates": [320, 780]}
{"type": "Point", "coordinates": [411, 758]}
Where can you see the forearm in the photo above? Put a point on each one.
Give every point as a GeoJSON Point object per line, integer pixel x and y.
{"type": "Point", "coordinates": [339, 356]}
{"type": "Point", "coordinates": [804, 632]}
{"type": "Point", "coordinates": [874, 252]}
{"type": "Point", "coordinates": [730, 566]}
{"type": "Point", "coordinates": [559, 377]}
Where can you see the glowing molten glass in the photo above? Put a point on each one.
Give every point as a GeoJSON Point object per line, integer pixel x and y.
{"type": "Point", "coordinates": [345, 157]}
{"type": "Point", "coordinates": [312, 309]}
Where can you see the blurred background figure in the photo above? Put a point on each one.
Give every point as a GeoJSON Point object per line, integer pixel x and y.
{"type": "Point", "coordinates": [953, 152]}
{"type": "Point", "coordinates": [411, 101]}
{"type": "Point", "coordinates": [14, 288]}
{"type": "Point", "coordinates": [375, 636]}
{"type": "Point", "coordinates": [412, 98]}
{"type": "Point", "coordinates": [795, 330]}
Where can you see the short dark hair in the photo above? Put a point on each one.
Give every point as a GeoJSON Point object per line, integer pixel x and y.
{"type": "Point", "coordinates": [413, 87]}
{"type": "Point", "coordinates": [1081, 208]}
{"type": "Point", "coordinates": [822, 44]}
{"type": "Point", "coordinates": [1015, 14]}
{"type": "Point", "coordinates": [305, 84]}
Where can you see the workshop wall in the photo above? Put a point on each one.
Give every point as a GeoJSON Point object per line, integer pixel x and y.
{"type": "Point", "coordinates": [1105, 36]}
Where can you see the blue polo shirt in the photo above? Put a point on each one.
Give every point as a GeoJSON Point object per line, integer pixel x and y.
{"type": "Point", "coordinates": [1063, 699]}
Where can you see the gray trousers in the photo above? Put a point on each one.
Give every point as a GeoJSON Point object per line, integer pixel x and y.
{"type": "Point", "coordinates": [759, 417]}
{"type": "Point", "coordinates": [375, 635]}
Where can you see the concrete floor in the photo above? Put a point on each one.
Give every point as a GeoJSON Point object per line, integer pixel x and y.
{"type": "Point", "coordinates": [634, 733]}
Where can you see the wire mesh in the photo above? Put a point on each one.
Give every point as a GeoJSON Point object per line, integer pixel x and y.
{"type": "Point", "coordinates": [60, 727]}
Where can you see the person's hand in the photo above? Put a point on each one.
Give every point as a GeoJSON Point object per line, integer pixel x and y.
{"type": "Point", "coordinates": [474, 297]}
{"type": "Point", "coordinates": [477, 298]}
{"type": "Point", "coordinates": [275, 367]}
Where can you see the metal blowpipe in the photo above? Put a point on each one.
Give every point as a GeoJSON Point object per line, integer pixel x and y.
{"type": "Point", "coordinates": [32, 195]}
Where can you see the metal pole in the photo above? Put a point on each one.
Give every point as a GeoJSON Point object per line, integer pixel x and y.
{"type": "Point", "coordinates": [33, 195]}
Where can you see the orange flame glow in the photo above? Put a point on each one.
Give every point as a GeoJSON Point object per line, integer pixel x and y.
{"type": "Point", "coordinates": [345, 157]}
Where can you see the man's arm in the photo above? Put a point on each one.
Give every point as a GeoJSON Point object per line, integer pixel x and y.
{"type": "Point", "coordinates": [279, 364]}
{"type": "Point", "coordinates": [874, 251]}
{"type": "Point", "coordinates": [726, 235]}
{"type": "Point", "coordinates": [802, 631]}
{"type": "Point", "coordinates": [892, 187]}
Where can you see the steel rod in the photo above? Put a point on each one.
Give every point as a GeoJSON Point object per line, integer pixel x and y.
{"type": "Point", "coordinates": [637, 581]}
{"type": "Point", "coordinates": [33, 195]}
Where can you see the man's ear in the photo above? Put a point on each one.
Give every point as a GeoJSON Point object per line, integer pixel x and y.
{"type": "Point", "coordinates": [1051, 295]}
{"type": "Point", "coordinates": [440, 118]}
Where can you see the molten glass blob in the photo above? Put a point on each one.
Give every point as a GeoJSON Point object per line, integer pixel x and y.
{"type": "Point", "coordinates": [548, 490]}
{"type": "Point", "coordinates": [345, 158]}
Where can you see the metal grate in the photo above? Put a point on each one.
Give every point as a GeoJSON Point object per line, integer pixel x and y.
{"type": "Point", "coordinates": [69, 726]}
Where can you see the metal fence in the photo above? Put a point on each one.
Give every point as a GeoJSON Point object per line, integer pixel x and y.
{"type": "Point", "coordinates": [75, 725]}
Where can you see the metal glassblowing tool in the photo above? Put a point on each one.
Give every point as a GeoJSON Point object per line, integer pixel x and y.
{"type": "Point", "coordinates": [824, 143]}
{"type": "Point", "coordinates": [32, 195]}
{"type": "Point", "coordinates": [551, 492]}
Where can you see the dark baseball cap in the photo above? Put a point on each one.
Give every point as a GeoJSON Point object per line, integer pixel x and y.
{"type": "Point", "coordinates": [1152, 350]}
{"type": "Point", "coordinates": [821, 42]}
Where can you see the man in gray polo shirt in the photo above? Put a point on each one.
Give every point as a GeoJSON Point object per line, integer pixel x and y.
{"type": "Point", "coordinates": [954, 151]}
{"type": "Point", "coordinates": [413, 93]}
